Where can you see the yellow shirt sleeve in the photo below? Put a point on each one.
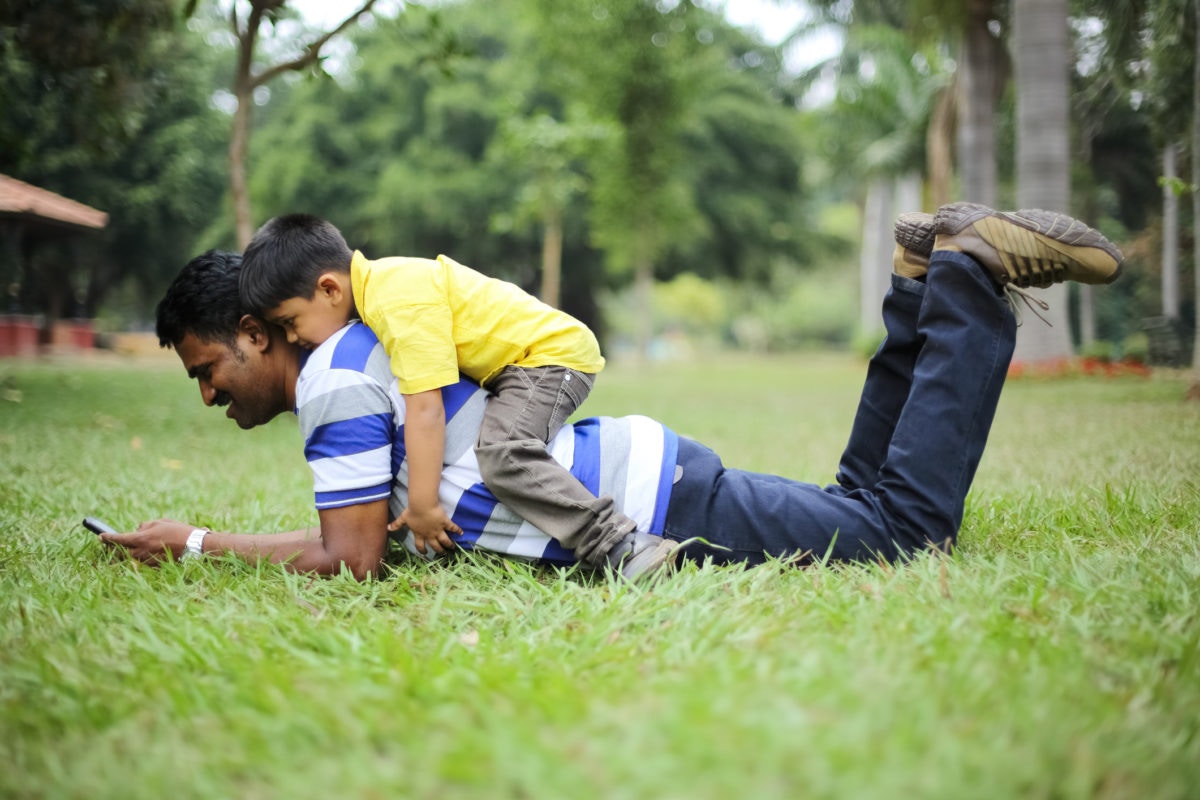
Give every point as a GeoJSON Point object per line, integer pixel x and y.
{"type": "Point", "coordinates": [404, 303]}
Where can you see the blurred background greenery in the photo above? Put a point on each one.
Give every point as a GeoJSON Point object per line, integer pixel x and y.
{"type": "Point", "coordinates": [677, 181]}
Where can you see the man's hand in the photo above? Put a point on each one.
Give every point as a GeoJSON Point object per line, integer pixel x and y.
{"type": "Point", "coordinates": [431, 526]}
{"type": "Point", "coordinates": [152, 541]}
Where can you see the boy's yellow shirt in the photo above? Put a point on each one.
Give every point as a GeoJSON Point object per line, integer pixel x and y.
{"type": "Point", "coordinates": [437, 318]}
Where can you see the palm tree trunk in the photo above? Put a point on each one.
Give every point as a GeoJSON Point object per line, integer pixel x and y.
{"type": "Point", "coordinates": [1193, 392]}
{"type": "Point", "coordinates": [939, 148]}
{"type": "Point", "coordinates": [1170, 244]}
{"type": "Point", "coordinates": [977, 81]}
{"type": "Point", "coordinates": [1041, 48]}
{"type": "Point", "coordinates": [875, 257]}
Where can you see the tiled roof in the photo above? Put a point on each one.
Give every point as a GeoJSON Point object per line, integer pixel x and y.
{"type": "Point", "coordinates": [18, 197]}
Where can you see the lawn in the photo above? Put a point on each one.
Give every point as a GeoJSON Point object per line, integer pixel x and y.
{"type": "Point", "coordinates": [1055, 655]}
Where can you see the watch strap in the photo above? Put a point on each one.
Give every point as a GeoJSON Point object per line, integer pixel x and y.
{"type": "Point", "coordinates": [194, 548]}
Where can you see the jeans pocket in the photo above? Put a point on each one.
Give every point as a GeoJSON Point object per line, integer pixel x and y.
{"type": "Point", "coordinates": [573, 389]}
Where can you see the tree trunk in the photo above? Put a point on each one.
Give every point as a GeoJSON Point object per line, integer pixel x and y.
{"type": "Point", "coordinates": [1170, 244]}
{"type": "Point", "coordinates": [243, 90]}
{"type": "Point", "coordinates": [977, 79]}
{"type": "Point", "coordinates": [907, 196]}
{"type": "Point", "coordinates": [244, 83]}
{"type": "Point", "coordinates": [643, 292]}
{"type": "Point", "coordinates": [1041, 49]}
{"type": "Point", "coordinates": [1087, 315]}
{"type": "Point", "coordinates": [243, 218]}
{"type": "Point", "coordinates": [875, 256]}
{"type": "Point", "coordinates": [1193, 392]}
{"type": "Point", "coordinates": [939, 148]}
{"type": "Point", "coordinates": [552, 246]}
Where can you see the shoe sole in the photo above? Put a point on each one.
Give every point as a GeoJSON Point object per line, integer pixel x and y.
{"type": "Point", "coordinates": [915, 231]}
{"type": "Point", "coordinates": [914, 234]}
{"type": "Point", "coordinates": [1032, 247]}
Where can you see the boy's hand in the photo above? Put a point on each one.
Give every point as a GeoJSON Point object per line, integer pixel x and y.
{"type": "Point", "coordinates": [430, 526]}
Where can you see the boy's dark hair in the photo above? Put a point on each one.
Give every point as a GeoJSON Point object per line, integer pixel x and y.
{"type": "Point", "coordinates": [285, 258]}
{"type": "Point", "coordinates": [203, 300]}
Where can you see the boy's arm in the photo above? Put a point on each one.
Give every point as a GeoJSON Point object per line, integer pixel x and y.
{"type": "Point", "coordinates": [352, 536]}
{"type": "Point", "coordinates": [425, 447]}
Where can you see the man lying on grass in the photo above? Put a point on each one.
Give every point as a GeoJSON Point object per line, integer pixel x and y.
{"type": "Point", "coordinates": [923, 419]}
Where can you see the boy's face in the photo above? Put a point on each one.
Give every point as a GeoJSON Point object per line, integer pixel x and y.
{"type": "Point", "coordinates": [309, 322]}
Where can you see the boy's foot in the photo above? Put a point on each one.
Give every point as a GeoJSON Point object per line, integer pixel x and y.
{"type": "Point", "coordinates": [640, 555]}
{"type": "Point", "coordinates": [914, 234]}
{"type": "Point", "coordinates": [1027, 248]}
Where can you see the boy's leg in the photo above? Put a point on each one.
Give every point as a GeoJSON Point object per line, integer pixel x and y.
{"type": "Point", "coordinates": [527, 409]}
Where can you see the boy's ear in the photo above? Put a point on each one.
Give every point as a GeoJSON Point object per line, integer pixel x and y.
{"type": "Point", "coordinates": [332, 285]}
{"type": "Point", "coordinates": [255, 330]}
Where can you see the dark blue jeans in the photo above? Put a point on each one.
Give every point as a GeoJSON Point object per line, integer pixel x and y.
{"type": "Point", "coordinates": [922, 422]}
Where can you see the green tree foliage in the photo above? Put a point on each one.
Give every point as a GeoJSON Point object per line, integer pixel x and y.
{"type": "Point", "coordinates": [292, 50]}
{"type": "Point", "coordinates": [394, 150]}
{"type": "Point", "coordinates": [402, 149]}
{"type": "Point", "coordinates": [1135, 98]}
{"type": "Point", "coordinates": [107, 103]}
{"type": "Point", "coordinates": [885, 92]}
{"type": "Point", "coordinates": [742, 157]}
{"type": "Point", "coordinates": [88, 59]}
{"type": "Point", "coordinates": [446, 134]}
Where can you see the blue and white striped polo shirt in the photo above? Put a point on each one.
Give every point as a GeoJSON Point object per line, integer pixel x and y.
{"type": "Point", "coordinates": [352, 419]}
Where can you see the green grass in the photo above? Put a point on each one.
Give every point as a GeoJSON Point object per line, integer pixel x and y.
{"type": "Point", "coordinates": [1055, 655]}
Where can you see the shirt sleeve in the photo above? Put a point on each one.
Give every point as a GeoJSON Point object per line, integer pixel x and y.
{"type": "Point", "coordinates": [419, 340]}
{"type": "Point", "coordinates": [349, 429]}
{"type": "Point", "coordinates": [408, 308]}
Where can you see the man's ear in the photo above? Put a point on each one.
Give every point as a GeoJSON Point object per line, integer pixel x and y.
{"type": "Point", "coordinates": [255, 330]}
{"type": "Point", "coordinates": [333, 286]}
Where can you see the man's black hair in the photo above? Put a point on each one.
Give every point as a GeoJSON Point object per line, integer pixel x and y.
{"type": "Point", "coordinates": [285, 258]}
{"type": "Point", "coordinates": [203, 300]}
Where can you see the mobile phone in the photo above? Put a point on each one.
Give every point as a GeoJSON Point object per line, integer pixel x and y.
{"type": "Point", "coordinates": [96, 526]}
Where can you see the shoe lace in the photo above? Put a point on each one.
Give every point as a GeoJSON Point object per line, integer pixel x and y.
{"type": "Point", "coordinates": [1013, 293]}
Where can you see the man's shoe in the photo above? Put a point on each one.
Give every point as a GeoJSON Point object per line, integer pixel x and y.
{"type": "Point", "coordinates": [1029, 247]}
{"type": "Point", "coordinates": [914, 234]}
{"type": "Point", "coordinates": [640, 555]}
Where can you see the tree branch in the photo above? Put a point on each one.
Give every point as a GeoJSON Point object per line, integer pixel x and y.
{"type": "Point", "coordinates": [312, 51]}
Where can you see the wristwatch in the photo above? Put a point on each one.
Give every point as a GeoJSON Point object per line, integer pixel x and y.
{"type": "Point", "coordinates": [195, 543]}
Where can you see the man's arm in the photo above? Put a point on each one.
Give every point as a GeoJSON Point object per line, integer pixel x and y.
{"type": "Point", "coordinates": [351, 536]}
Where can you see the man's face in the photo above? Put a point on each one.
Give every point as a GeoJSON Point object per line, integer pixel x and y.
{"type": "Point", "coordinates": [235, 376]}
{"type": "Point", "coordinates": [308, 322]}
